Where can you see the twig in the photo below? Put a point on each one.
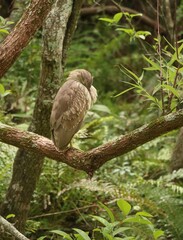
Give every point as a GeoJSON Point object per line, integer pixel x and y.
{"type": "Point", "coordinates": [160, 57]}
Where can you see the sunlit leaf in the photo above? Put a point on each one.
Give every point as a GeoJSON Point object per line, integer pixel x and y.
{"type": "Point", "coordinates": [132, 74]}
{"type": "Point", "coordinates": [101, 108]}
{"type": "Point", "coordinates": [154, 65]}
{"type": "Point", "coordinates": [109, 20]}
{"type": "Point", "coordinates": [83, 234]}
{"type": "Point", "coordinates": [4, 31]}
{"type": "Point", "coordinates": [121, 93]}
{"type": "Point", "coordinates": [124, 206]}
{"type": "Point", "coordinates": [127, 30]}
{"type": "Point", "coordinates": [101, 220]}
{"type": "Point", "coordinates": [41, 238]}
{"type": "Point", "coordinates": [171, 89]}
{"type": "Point", "coordinates": [117, 17]}
{"type": "Point", "coordinates": [144, 214]}
{"type": "Point", "coordinates": [10, 216]}
{"type": "Point", "coordinates": [135, 15]}
{"type": "Point", "coordinates": [2, 90]}
{"type": "Point", "coordinates": [175, 55]}
{"type": "Point", "coordinates": [138, 219]}
{"type": "Point", "coordinates": [158, 233]}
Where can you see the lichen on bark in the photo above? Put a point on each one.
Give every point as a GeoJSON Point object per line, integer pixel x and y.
{"type": "Point", "coordinates": [28, 165]}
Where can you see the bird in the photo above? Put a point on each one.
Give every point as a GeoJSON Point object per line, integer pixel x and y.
{"type": "Point", "coordinates": [74, 98]}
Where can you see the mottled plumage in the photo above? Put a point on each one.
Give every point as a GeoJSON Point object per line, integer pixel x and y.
{"type": "Point", "coordinates": [70, 105]}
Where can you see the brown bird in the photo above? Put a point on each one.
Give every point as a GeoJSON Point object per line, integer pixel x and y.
{"type": "Point", "coordinates": [70, 106]}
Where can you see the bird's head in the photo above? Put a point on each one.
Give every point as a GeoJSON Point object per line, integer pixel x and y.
{"type": "Point", "coordinates": [82, 76]}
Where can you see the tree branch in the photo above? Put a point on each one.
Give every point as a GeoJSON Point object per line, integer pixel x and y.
{"type": "Point", "coordinates": [8, 227]}
{"type": "Point", "coordinates": [86, 11]}
{"type": "Point", "coordinates": [20, 36]}
{"type": "Point", "coordinates": [93, 159]}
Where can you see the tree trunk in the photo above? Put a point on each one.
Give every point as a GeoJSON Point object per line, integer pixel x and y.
{"type": "Point", "coordinates": [27, 165]}
{"type": "Point", "coordinates": [177, 156]}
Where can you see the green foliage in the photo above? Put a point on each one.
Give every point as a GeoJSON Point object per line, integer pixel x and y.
{"type": "Point", "coordinates": [130, 31]}
{"type": "Point", "coordinates": [4, 27]}
{"type": "Point", "coordinates": [65, 198]}
{"type": "Point", "coordinates": [125, 226]}
{"type": "Point", "coordinates": [166, 93]}
{"type": "Point", "coordinates": [101, 51]}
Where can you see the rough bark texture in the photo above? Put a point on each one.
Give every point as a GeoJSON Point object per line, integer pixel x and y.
{"type": "Point", "coordinates": [15, 42]}
{"type": "Point", "coordinates": [177, 156]}
{"type": "Point", "coordinates": [93, 159]}
{"type": "Point", "coordinates": [28, 165]}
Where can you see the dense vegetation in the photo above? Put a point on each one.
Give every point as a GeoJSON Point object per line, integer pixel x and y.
{"type": "Point", "coordinates": [66, 198]}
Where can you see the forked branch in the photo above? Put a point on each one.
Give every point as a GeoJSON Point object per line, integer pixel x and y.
{"type": "Point", "coordinates": [91, 160]}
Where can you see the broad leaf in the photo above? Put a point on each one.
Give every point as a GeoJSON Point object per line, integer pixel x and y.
{"type": "Point", "coordinates": [124, 206]}
{"type": "Point", "coordinates": [117, 17]}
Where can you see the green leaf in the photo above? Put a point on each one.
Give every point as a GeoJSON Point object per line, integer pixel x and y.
{"type": "Point", "coordinates": [41, 238]}
{"type": "Point", "coordinates": [101, 108]}
{"type": "Point", "coordinates": [158, 233]}
{"type": "Point", "coordinates": [121, 93]}
{"type": "Point", "coordinates": [62, 233]}
{"type": "Point", "coordinates": [10, 216]}
{"type": "Point", "coordinates": [101, 220]}
{"type": "Point", "coordinates": [124, 206]}
{"type": "Point", "coordinates": [129, 31]}
{"type": "Point", "coordinates": [120, 230]}
{"type": "Point", "coordinates": [7, 92]}
{"type": "Point", "coordinates": [144, 214]}
{"type": "Point", "coordinates": [2, 90]}
{"type": "Point", "coordinates": [128, 238]}
{"type": "Point", "coordinates": [138, 219]}
{"type": "Point", "coordinates": [135, 15]}
{"type": "Point", "coordinates": [142, 34]}
{"type": "Point", "coordinates": [154, 66]}
{"type": "Point", "coordinates": [174, 56]}
{"type": "Point", "coordinates": [108, 211]}
{"type": "Point", "coordinates": [171, 89]}
{"type": "Point", "coordinates": [109, 20]}
{"type": "Point", "coordinates": [9, 22]}
{"type": "Point", "coordinates": [4, 31]}
{"type": "Point", "coordinates": [117, 17]}
{"type": "Point", "coordinates": [132, 74]}
{"type": "Point", "coordinates": [82, 234]}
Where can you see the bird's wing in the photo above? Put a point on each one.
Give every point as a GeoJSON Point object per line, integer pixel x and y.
{"type": "Point", "coordinates": [70, 106]}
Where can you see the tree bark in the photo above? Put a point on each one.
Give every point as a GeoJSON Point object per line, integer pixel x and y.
{"type": "Point", "coordinates": [177, 155]}
{"type": "Point", "coordinates": [27, 165]}
{"type": "Point", "coordinates": [20, 36]}
{"type": "Point", "coordinates": [95, 158]}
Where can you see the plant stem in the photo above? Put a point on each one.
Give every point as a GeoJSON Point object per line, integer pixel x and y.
{"type": "Point", "coordinates": [160, 57]}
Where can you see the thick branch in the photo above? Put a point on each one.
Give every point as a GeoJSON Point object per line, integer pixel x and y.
{"type": "Point", "coordinates": [86, 11]}
{"type": "Point", "coordinates": [93, 159]}
{"type": "Point", "coordinates": [20, 36]}
{"type": "Point", "coordinates": [8, 227]}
